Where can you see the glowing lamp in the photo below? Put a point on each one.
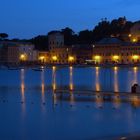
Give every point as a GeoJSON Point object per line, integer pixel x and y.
{"type": "Point", "coordinates": [97, 57]}
{"type": "Point", "coordinates": [130, 35]}
{"type": "Point", "coordinates": [23, 57]}
{"type": "Point", "coordinates": [135, 57]}
{"type": "Point", "coordinates": [134, 40]}
{"type": "Point", "coordinates": [54, 58]}
{"type": "Point", "coordinates": [116, 57]}
{"type": "Point", "coordinates": [71, 58]}
{"type": "Point", "coordinates": [41, 58]}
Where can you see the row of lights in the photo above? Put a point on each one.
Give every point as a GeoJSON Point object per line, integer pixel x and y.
{"type": "Point", "coordinates": [115, 57]}
{"type": "Point", "coordinates": [23, 57]}
{"type": "Point", "coordinates": [54, 58]}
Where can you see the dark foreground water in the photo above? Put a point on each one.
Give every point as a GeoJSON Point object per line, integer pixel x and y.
{"type": "Point", "coordinates": [30, 110]}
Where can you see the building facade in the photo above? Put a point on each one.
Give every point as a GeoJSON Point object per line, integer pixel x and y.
{"type": "Point", "coordinates": [16, 52]}
{"type": "Point", "coordinates": [26, 51]}
{"type": "Point", "coordinates": [62, 55]}
{"type": "Point", "coordinates": [43, 57]}
{"type": "Point", "coordinates": [112, 50]}
{"type": "Point", "coordinates": [9, 52]}
{"type": "Point", "coordinates": [82, 52]}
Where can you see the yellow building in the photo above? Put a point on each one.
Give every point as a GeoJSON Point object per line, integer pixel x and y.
{"type": "Point", "coordinates": [112, 50]}
{"type": "Point", "coordinates": [43, 57]}
{"type": "Point", "coordinates": [62, 55]}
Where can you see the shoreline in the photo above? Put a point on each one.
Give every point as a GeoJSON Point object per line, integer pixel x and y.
{"type": "Point", "coordinates": [68, 65]}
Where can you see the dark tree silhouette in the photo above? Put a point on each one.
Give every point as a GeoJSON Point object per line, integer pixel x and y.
{"type": "Point", "coordinates": [40, 42]}
{"type": "Point", "coordinates": [68, 36]}
{"type": "Point", "coordinates": [119, 28]}
{"type": "Point", "coordinates": [3, 36]}
{"type": "Point", "coordinates": [85, 37]}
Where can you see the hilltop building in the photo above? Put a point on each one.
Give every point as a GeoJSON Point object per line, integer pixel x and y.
{"type": "Point", "coordinates": [56, 40]}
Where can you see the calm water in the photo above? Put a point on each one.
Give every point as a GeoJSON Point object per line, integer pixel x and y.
{"type": "Point", "coordinates": [29, 109]}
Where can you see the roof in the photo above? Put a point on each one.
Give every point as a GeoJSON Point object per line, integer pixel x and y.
{"type": "Point", "coordinates": [111, 40]}
{"type": "Point", "coordinates": [130, 44]}
{"type": "Point", "coordinates": [81, 46]}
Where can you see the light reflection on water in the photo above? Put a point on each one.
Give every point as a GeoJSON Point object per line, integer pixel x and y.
{"type": "Point", "coordinates": [54, 78]}
{"type": "Point", "coordinates": [116, 88]}
{"type": "Point", "coordinates": [60, 114]}
{"type": "Point", "coordinates": [97, 79]}
{"type": "Point", "coordinates": [43, 86]}
{"type": "Point", "coordinates": [71, 78]}
{"type": "Point", "coordinates": [22, 84]}
{"type": "Point", "coordinates": [135, 70]}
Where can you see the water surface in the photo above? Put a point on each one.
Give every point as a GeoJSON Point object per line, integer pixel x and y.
{"type": "Point", "coordinates": [29, 108]}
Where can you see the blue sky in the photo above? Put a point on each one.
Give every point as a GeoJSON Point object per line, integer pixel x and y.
{"type": "Point", "coordinates": [28, 18]}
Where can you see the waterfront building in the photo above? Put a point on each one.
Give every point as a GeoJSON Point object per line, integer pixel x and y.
{"type": "Point", "coordinates": [43, 57]}
{"type": "Point", "coordinates": [82, 52]}
{"type": "Point", "coordinates": [16, 52]}
{"type": "Point", "coordinates": [113, 50]}
{"type": "Point", "coordinates": [9, 52]}
{"type": "Point", "coordinates": [26, 51]}
{"type": "Point", "coordinates": [62, 55]}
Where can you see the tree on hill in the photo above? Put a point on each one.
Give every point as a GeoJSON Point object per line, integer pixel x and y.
{"type": "Point", "coordinates": [3, 36]}
{"type": "Point", "coordinates": [85, 37]}
{"type": "Point", "coordinates": [68, 35]}
{"type": "Point", "coordinates": [40, 42]}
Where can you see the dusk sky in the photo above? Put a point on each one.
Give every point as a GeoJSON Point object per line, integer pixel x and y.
{"type": "Point", "coordinates": [29, 18]}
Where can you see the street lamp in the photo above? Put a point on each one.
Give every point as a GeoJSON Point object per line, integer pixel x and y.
{"type": "Point", "coordinates": [41, 58]}
{"type": "Point", "coordinates": [135, 57]}
{"type": "Point", "coordinates": [134, 40]}
{"type": "Point", "coordinates": [23, 57]}
{"type": "Point", "coordinates": [71, 58]}
{"type": "Point", "coordinates": [97, 58]}
{"type": "Point", "coordinates": [54, 58]}
{"type": "Point", "coordinates": [115, 58]}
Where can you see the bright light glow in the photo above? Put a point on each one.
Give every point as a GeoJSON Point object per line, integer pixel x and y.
{"type": "Point", "coordinates": [54, 68]}
{"type": "Point", "coordinates": [135, 57]}
{"type": "Point", "coordinates": [97, 68]}
{"type": "Point", "coordinates": [115, 57]}
{"type": "Point", "coordinates": [135, 69]}
{"type": "Point", "coordinates": [23, 57]}
{"type": "Point", "coordinates": [130, 35]}
{"type": "Point", "coordinates": [71, 58]}
{"type": "Point", "coordinates": [115, 68]}
{"type": "Point", "coordinates": [41, 58]}
{"type": "Point", "coordinates": [54, 58]}
{"type": "Point", "coordinates": [134, 40]}
{"type": "Point", "coordinates": [97, 57]}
